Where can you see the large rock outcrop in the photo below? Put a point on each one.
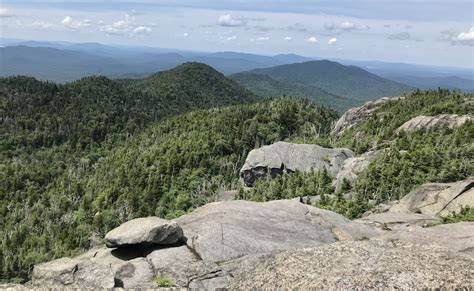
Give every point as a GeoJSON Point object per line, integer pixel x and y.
{"type": "Point", "coordinates": [355, 116]}
{"type": "Point", "coordinates": [429, 122]}
{"type": "Point", "coordinates": [281, 157]}
{"type": "Point", "coordinates": [222, 240]}
{"type": "Point", "coordinates": [223, 231]}
{"type": "Point", "coordinates": [438, 199]}
{"type": "Point", "coordinates": [144, 231]}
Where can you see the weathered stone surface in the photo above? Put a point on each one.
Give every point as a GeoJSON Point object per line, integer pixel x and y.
{"type": "Point", "coordinates": [438, 199]}
{"type": "Point", "coordinates": [144, 231]}
{"type": "Point", "coordinates": [136, 273]}
{"type": "Point", "coordinates": [281, 157]}
{"type": "Point", "coordinates": [369, 264]}
{"type": "Point", "coordinates": [355, 116]}
{"type": "Point", "coordinates": [228, 195]}
{"type": "Point", "coordinates": [390, 220]}
{"type": "Point", "coordinates": [457, 237]}
{"type": "Point", "coordinates": [67, 272]}
{"type": "Point", "coordinates": [176, 263]}
{"type": "Point", "coordinates": [353, 167]}
{"type": "Point", "coordinates": [223, 231]}
{"type": "Point", "coordinates": [428, 122]}
{"type": "Point", "coordinates": [131, 269]}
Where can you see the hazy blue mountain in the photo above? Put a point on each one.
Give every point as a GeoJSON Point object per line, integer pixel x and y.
{"type": "Point", "coordinates": [345, 81]}
{"type": "Point", "coordinates": [264, 85]}
{"type": "Point", "coordinates": [452, 82]}
{"type": "Point", "coordinates": [141, 61]}
{"type": "Point", "coordinates": [291, 58]}
{"type": "Point", "coordinates": [54, 64]}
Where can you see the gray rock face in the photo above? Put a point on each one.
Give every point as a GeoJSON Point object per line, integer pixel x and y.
{"type": "Point", "coordinates": [369, 264]}
{"type": "Point", "coordinates": [438, 199]}
{"type": "Point", "coordinates": [281, 157]}
{"type": "Point", "coordinates": [458, 237]}
{"type": "Point", "coordinates": [391, 221]}
{"type": "Point", "coordinates": [144, 231]}
{"type": "Point", "coordinates": [355, 116]}
{"type": "Point", "coordinates": [428, 122]}
{"type": "Point", "coordinates": [353, 167]}
{"type": "Point", "coordinates": [66, 272]}
{"type": "Point", "coordinates": [178, 263]}
{"type": "Point", "coordinates": [221, 232]}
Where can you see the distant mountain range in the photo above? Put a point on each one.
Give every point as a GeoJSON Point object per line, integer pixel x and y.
{"type": "Point", "coordinates": [64, 61]}
{"type": "Point", "coordinates": [345, 81]}
{"type": "Point", "coordinates": [264, 85]}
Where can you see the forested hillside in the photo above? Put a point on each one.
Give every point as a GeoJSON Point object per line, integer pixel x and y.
{"type": "Point", "coordinates": [345, 81]}
{"type": "Point", "coordinates": [264, 85]}
{"type": "Point", "coordinates": [407, 160]}
{"type": "Point", "coordinates": [53, 134]}
{"type": "Point", "coordinates": [72, 165]}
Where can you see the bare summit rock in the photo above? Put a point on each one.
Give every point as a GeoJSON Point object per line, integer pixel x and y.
{"type": "Point", "coordinates": [73, 273]}
{"type": "Point", "coordinates": [144, 231]}
{"type": "Point", "coordinates": [368, 264]}
{"type": "Point", "coordinates": [438, 199]}
{"type": "Point", "coordinates": [458, 237]}
{"type": "Point", "coordinates": [281, 157]}
{"type": "Point", "coordinates": [391, 221]}
{"type": "Point", "coordinates": [222, 231]}
{"type": "Point", "coordinates": [355, 116]}
{"type": "Point", "coordinates": [428, 122]}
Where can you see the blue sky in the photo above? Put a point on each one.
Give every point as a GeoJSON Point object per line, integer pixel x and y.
{"type": "Point", "coordinates": [412, 31]}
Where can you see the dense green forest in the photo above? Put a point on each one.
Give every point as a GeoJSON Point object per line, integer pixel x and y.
{"type": "Point", "coordinates": [75, 161]}
{"type": "Point", "coordinates": [264, 85]}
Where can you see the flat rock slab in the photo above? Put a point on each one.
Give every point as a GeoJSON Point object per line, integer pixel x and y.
{"type": "Point", "coordinates": [438, 199]}
{"type": "Point", "coordinates": [390, 220]}
{"type": "Point", "coordinates": [222, 231]}
{"type": "Point", "coordinates": [457, 237]}
{"type": "Point", "coordinates": [369, 264]}
{"type": "Point", "coordinates": [144, 231]}
{"type": "Point", "coordinates": [73, 273]}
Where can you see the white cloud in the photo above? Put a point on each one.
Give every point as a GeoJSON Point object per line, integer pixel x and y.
{"type": "Point", "coordinates": [312, 40]}
{"type": "Point", "coordinates": [141, 29]}
{"type": "Point", "coordinates": [345, 26]}
{"type": "Point", "coordinates": [263, 38]}
{"type": "Point", "coordinates": [332, 41]}
{"type": "Point", "coordinates": [71, 23]}
{"type": "Point", "coordinates": [231, 21]}
{"type": "Point", "coordinates": [232, 37]}
{"type": "Point", "coordinates": [185, 34]}
{"type": "Point", "coordinates": [126, 26]}
{"type": "Point", "coordinates": [288, 38]}
{"type": "Point", "coordinates": [466, 36]}
{"type": "Point", "coordinates": [41, 24]}
{"type": "Point", "coordinates": [6, 13]}
{"type": "Point", "coordinates": [462, 38]}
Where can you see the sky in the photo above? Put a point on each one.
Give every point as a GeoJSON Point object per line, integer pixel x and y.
{"type": "Point", "coordinates": [431, 32]}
